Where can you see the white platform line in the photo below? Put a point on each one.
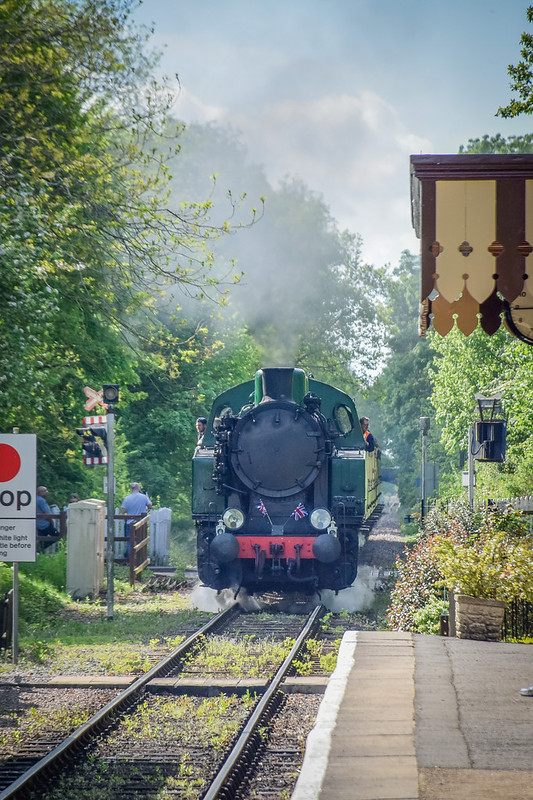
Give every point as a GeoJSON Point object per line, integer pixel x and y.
{"type": "Point", "coordinates": [318, 742]}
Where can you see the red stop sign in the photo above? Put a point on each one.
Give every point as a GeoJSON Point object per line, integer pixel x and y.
{"type": "Point", "coordinates": [9, 462]}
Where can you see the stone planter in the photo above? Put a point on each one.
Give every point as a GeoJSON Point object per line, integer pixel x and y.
{"type": "Point", "coordinates": [478, 617]}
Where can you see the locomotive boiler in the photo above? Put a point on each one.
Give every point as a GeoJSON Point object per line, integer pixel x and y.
{"type": "Point", "coordinates": [282, 483]}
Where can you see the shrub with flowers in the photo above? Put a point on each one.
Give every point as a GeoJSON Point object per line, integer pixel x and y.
{"type": "Point", "coordinates": [495, 563]}
{"type": "Point", "coordinates": [483, 555]}
{"type": "Point", "coordinates": [419, 579]}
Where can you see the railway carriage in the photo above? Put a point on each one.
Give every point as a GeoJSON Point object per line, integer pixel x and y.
{"type": "Point", "coordinates": [282, 484]}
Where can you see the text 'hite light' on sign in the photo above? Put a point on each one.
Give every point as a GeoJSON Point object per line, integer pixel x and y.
{"type": "Point", "coordinates": [18, 455]}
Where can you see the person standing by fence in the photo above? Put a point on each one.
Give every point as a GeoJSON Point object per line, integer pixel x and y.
{"type": "Point", "coordinates": [45, 527]}
{"type": "Point", "coordinates": [135, 504]}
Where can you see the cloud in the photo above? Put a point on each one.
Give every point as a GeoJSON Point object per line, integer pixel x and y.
{"type": "Point", "coordinates": [353, 149]}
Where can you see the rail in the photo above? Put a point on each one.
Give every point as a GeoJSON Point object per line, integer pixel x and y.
{"type": "Point", "coordinates": [49, 765]}
{"type": "Point", "coordinates": [225, 783]}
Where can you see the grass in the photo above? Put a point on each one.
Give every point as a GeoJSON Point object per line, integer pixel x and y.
{"type": "Point", "coordinates": [66, 636]}
{"type": "Point", "coordinates": [246, 657]}
{"type": "Point", "coordinates": [189, 730]}
{"type": "Point", "coordinates": [77, 637]}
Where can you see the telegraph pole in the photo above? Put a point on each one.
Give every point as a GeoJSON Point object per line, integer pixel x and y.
{"type": "Point", "coordinates": [110, 396]}
{"type": "Point", "coordinates": [424, 427]}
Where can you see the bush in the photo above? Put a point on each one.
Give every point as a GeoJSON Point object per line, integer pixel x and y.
{"type": "Point", "coordinates": [182, 545]}
{"type": "Point", "coordinates": [484, 555]}
{"type": "Point", "coordinates": [418, 576]}
{"type": "Point", "coordinates": [494, 563]}
{"type": "Point", "coordinates": [51, 568]}
{"type": "Point", "coordinates": [38, 600]}
{"type": "Point", "coordinates": [427, 618]}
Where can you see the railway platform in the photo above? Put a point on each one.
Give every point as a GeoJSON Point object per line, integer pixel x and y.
{"type": "Point", "coordinates": [414, 717]}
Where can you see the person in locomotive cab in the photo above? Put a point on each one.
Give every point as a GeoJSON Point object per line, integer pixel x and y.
{"type": "Point", "coordinates": [370, 444]}
{"type": "Point", "coordinates": [201, 425]}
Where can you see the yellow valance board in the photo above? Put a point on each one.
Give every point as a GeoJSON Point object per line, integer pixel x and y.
{"type": "Point", "coordinates": [474, 217]}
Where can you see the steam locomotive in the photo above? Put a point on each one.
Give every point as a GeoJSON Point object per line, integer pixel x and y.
{"type": "Point", "coordinates": [282, 483]}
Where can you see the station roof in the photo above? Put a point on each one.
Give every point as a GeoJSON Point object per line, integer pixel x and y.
{"type": "Point", "coordinates": [474, 216]}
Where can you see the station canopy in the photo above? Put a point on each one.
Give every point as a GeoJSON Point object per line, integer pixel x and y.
{"type": "Point", "coordinates": [474, 216]}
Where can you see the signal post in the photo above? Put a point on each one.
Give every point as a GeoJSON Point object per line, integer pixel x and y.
{"type": "Point", "coordinates": [107, 397]}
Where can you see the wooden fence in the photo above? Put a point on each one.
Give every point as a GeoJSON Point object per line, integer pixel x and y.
{"type": "Point", "coordinates": [137, 539]}
{"type": "Point", "coordinates": [135, 535]}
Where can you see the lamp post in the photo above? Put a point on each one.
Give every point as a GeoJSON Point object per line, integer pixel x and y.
{"type": "Point", "coordinates": [486, 438]}
{"type": "Point", "coordinates": [471, 473]}
{"type": "Point", "coordinates": [424, 427]}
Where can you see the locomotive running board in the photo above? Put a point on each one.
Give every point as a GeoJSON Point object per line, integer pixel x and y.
{"type": "Point", "coordinates": [369, 523]}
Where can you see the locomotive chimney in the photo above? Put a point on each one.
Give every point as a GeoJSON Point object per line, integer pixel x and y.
{"type": "Point", "coordinates": [277, 383]}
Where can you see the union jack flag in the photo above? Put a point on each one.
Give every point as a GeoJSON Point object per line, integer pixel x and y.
{"type": "Point", "coordinates": [262, 508]}
{"type": "Point", "coordinates": [299, 512]}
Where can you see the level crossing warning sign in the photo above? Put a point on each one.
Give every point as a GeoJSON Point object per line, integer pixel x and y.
{"type": "Point", "coordinates": [18, 456]}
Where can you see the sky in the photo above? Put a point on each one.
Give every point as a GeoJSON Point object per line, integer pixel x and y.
{"type": "Point", "coordinates": [340, 93]}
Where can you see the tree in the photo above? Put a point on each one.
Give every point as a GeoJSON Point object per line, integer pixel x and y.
{"type": "Point", "coordinates": [522, 77]}
{"type": "Point", "coordinates": [402, 391]}
{"type": "Point", "coordinates": [498, 144]}
{"type": "Point", "coordinates": [158, 426]}
{"type": "Point", "coordinates": [486, 365]}
{"type": "Point", "coordinates": [86, 233]}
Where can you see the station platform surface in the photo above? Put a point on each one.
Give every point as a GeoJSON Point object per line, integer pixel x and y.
{"type": "Point", "coordinates": [414, 717]}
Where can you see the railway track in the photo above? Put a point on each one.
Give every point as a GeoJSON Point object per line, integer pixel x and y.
{"type": "Point", "coordinates": [110, 748]}
{"type": "Point", "coordinates": [44, 768]}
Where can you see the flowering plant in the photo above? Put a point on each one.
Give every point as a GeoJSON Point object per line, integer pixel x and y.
{"type": "Point", "coordinates": [482, 555]}
{"type": "Point", "coordinates": [494, 563]}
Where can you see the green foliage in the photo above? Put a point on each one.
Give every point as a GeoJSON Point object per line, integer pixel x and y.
{"type": "Point", "coordinates": [494, 563]}
{"type": "Point", "coordinates": [488, 364]}
{"type": "Point", "coordinates": [522, 77]}
{"type": "Point", "coordinates": [69, 637]}
{"type": "Point", "coordinates": [88, 237]}
{"type": "Point", "coordinates": [38, 600]}
{"type": "Point", "coordinates": [182, 545]}
{"type": "Point", "coordinates": [159, 427]}
{"type": "Point", "coordinates": [38, 723]}
{"type": "Point", "coordinates": [403, 387]}
{"type": "Point", "coordinates": [427, 618]}
{"type": "Point", "coordinates": [239, 657]}
{"type": "Point", "coordinates": [480, 554]}
{"type": "Point", "coordinates": [498, 144]}
{"type": "Point", "coordinates": [417, 578]}
{"type": "Point", "coordinates": [50, 568]}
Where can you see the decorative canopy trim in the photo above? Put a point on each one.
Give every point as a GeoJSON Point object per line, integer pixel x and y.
{"type": "Point", "coordinates": [474, 235]}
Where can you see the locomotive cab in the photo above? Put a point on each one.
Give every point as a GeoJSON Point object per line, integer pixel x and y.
{"type": "Point", "coordinates": [279, 486]}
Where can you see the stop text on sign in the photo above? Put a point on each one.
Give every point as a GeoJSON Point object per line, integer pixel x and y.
{"type": "Point", "coordinates": [20, 499]}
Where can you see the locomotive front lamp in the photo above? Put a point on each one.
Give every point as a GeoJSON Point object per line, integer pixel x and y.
{"type": "Point", "coordinates": [233, 518]}
{"type": "Point", "coordinates": [320, 518]}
